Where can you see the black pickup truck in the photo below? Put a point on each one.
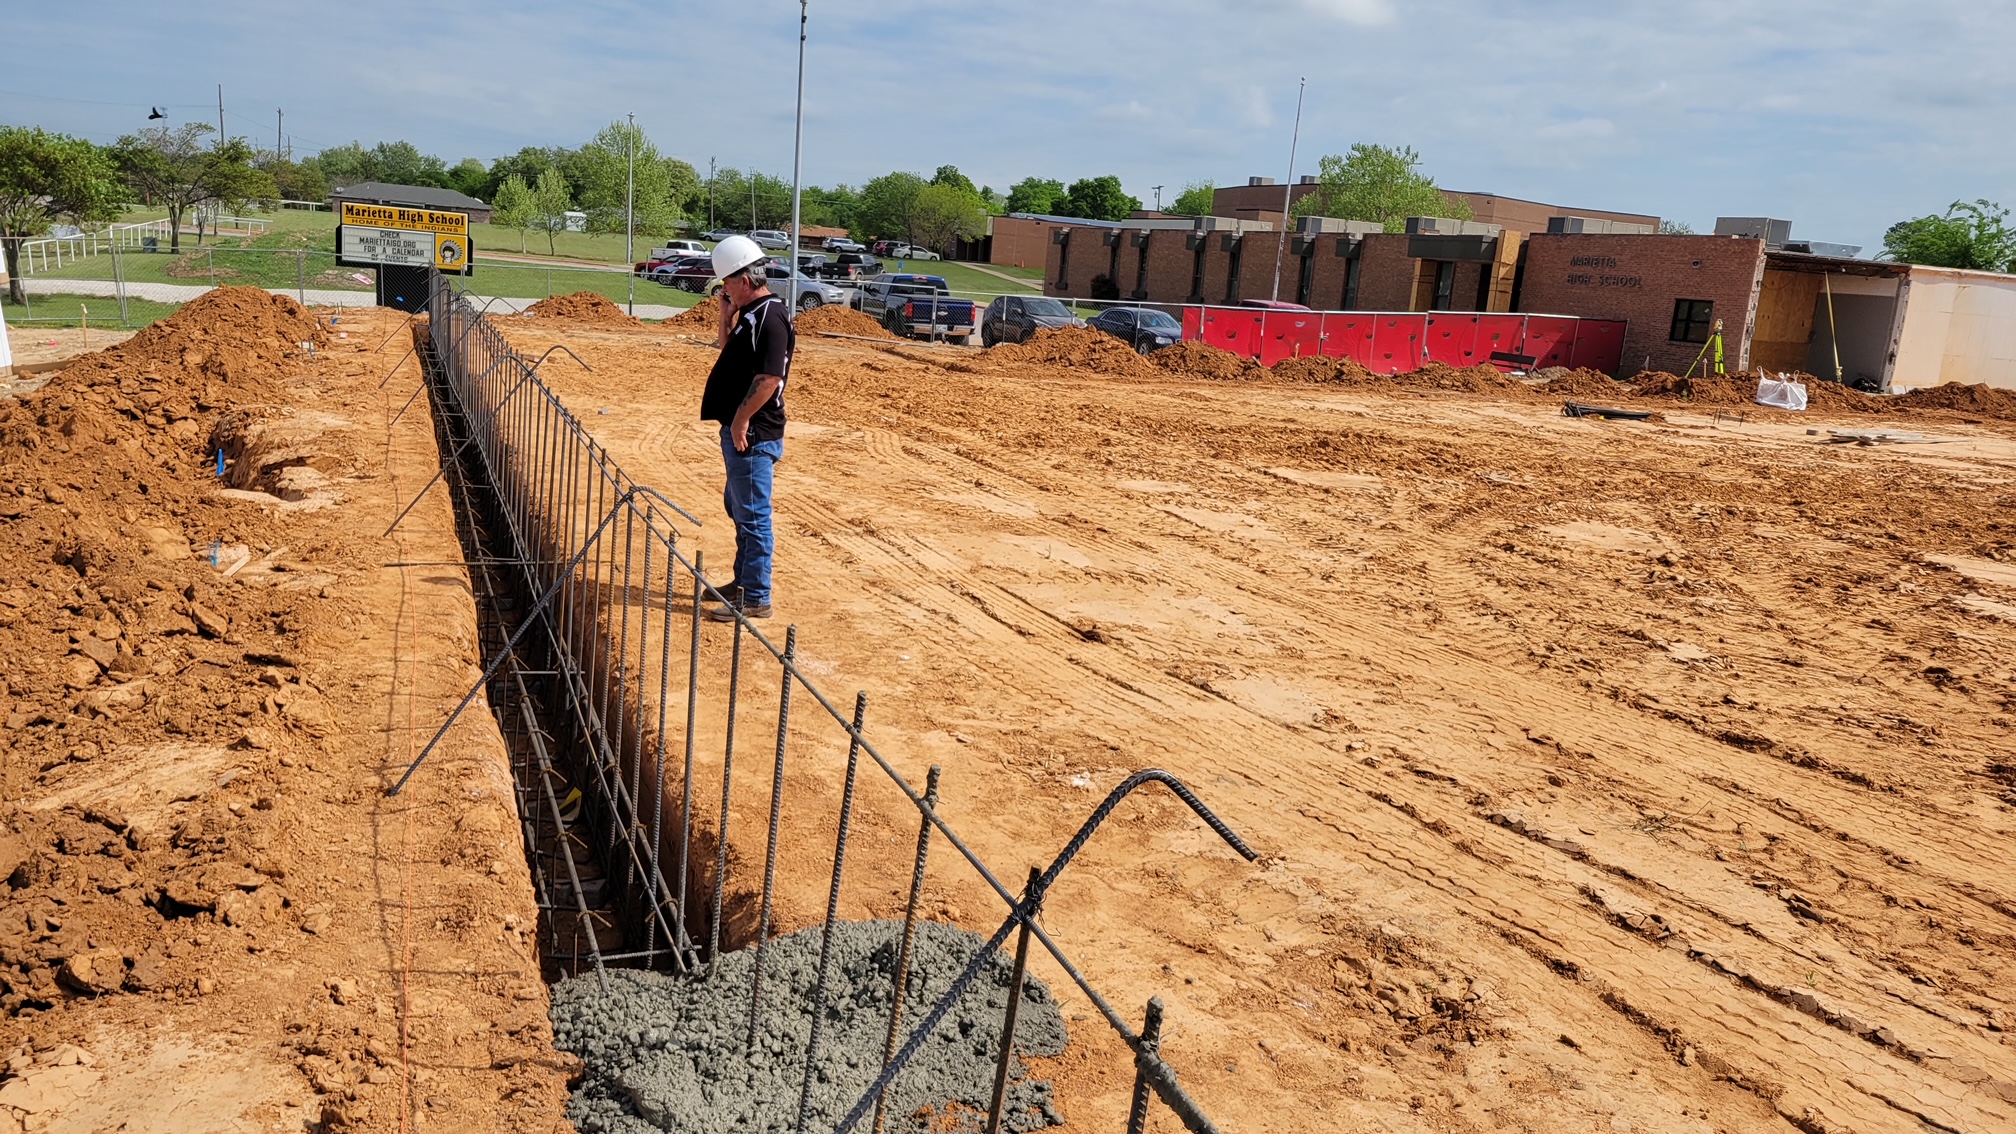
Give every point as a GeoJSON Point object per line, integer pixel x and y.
{"type": "Point", "coordinates": [916, 306]}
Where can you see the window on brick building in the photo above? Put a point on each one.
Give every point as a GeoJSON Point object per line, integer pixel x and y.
{"type": "Point", "coordinates": [1692, 320]}
{"type": "Point", "coordinates": [1197, 273]}
{"type": "Point", "coordinates": [1351, 284]}
{"type": "Point", "coordinates": [1306, 276]}
{"type": "Point", "coordinates": [1141, 272]}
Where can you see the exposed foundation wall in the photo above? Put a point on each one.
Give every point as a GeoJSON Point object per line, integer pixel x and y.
{"type": "Point", "coordinates": [1958, 327]}
{"type": "Point", "coordinates": [1638, 278]}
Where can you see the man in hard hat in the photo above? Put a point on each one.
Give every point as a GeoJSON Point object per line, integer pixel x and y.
{"type": "Point", "coordinates": [745, 393]}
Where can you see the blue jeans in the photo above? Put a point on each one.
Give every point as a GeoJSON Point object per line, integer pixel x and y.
{"type": "Point", "coordinates": [747, 499]}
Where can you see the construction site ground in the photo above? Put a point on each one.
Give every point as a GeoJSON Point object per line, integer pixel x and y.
{"type": "Point", "coordinates": [211, 917]}
{"type": "Point", "coordinates": [1607, 775]}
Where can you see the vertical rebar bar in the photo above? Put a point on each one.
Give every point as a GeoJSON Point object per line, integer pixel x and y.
{"type": "Point", "coordinates": [776, 816]}
{"type": "Point", "coordinates": [727, 784]}
{"type": "Point", "coordinates": [901, 980]}
{"type": "Point", "coordinates": [1032, 900]}
{"type": "Point", "coordinates": [832, 908]}
{"type": "Point", "coordinates": [686, 779]}
{"type": "Point", "coordinates": [658, 795]}
{"type": "Point", "coordinates": [1151, 1044]}
{"type": "Point", "coordinates": [631, 828]}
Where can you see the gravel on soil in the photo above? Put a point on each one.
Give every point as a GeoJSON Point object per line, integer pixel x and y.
{"type": "Point", "coordinates": [667, 1053]}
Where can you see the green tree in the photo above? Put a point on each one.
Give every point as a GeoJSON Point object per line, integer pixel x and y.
{"type": "Point", "coordinates": [294, 181]}
{"type": "Point", "coordinates": [605, 170]}
{"type": "Point", "coordinates": [174, 168]}
{"type": "Point", "coordinates": [550, 204]}
{"type": "Point", "coordinates": [399, 163]}
{"type": "Point", "coordinates": [527, 164]}
{"type": "Point", "coordinates": [1194, 200]}
{"type": "Point", "coordinates": [687, 194]}
{"type": "Point", "coordinates": [513, 207]}
{"type": "Point", "coordinates": [470, 177]}
{"type": "Point", "coordinates": [1035, 195]}
{"type": "Point", "coordinates": [836, 207]}
{"type": "Point", "coordinates": [944, 214]}
{"type": "Point", "coordinates": [44, 176]}
{"type": "Point", "coordinates": [949, 175]}
{"type": "Point", "coordinates": [1379, 184]}
{"type": "Point", "coordinates": [992, 198]}
{"type": "Point", "coordinates": [1097, 198]}
{"type": "Point", "coordinates": [1972, 235]}
{"type": "Point", "coordinates": [1675, 228]}
{"type": "Point", "coordinates": [888, 205]}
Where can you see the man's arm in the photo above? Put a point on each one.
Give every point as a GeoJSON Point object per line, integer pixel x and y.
{"type": "Point", "coordinates": [760, 391]}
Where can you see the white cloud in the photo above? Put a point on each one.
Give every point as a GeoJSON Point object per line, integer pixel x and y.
{"type": "Point", "coordinates": [1365, 12]}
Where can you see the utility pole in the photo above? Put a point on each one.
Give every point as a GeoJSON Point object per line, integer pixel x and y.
{"type": "Point", "coordinates": [1288, 190]}
{"type": "Point", "coordinates": [1158, 197]}
{"type": "Point", "coordinates": [220, 116]}
{"type": "Point", "coordinates": [710, 194]}
{"type": "Point", "coordinates": [279, 133]}
{"type": "Point", "coordinates": [797, 160]}
{"type": "Point", "coordinates": [630, 218]}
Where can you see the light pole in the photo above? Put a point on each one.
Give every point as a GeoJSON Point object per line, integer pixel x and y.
{"type": "Point", "coordinates": [630, 217]}
{"type": "Point", "coordinates": [797, 161]}
{"type": "Point", "coordinates": [1158, 197]}
{"type": "Point", "coordinates": [1288, 190]}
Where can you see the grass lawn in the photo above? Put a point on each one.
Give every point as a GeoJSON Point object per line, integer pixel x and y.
{"type": "Point", "coordinates": [529, 281]}
{"type": "Point", "coordinates": [66, 311]}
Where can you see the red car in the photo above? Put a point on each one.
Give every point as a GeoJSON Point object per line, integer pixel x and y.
{"type": "Point", "coordinates": [687, 273]}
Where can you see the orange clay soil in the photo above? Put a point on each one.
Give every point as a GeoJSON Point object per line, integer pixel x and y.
{"type": "Point", "coordinates": [211, 918]}
{"type": "Point", "coordinates": [1606, 775]}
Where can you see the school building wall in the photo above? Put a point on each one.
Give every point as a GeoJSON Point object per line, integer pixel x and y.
{"type": "Point", "coordinates": [1639, 278]}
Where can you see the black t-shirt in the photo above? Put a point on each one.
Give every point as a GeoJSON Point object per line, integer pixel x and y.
{"type": "Point", "coordinates": [760, 342]}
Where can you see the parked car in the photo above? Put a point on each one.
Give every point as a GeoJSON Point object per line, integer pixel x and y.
{"type": "Point", "coordinates": [1144, 328]}
{"type": "Point", "coordinates": [772, 239]}
{"type": "Point", "coordinates": [920, 306]}
{"type": "Point", "coordinates": [813, 263]}
{"type": "Point", "coordinates": [687, 273]}
{"type": "Point", "coordinates": [1013, 318]}
{"type": "Point", "coordinates": [811, 293]}
{"type": "Point", "coordinates": [898, 250]}
{"type": "Point", "coordinates": [674, 249]}
{"type": "Point", "coordinates": [883, 247]}
{"type": "Point", "coordinates": [852, 266]}
{"type": "Point", "coordinates": [1273, 304]}
{"type": "Point", "coordinates": [842, 244]}
{"type": "Point", "coordinates": [718, 235]}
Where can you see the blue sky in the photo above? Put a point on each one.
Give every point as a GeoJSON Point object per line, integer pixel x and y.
{"type": "Point", "coordinates": [1843, 117]}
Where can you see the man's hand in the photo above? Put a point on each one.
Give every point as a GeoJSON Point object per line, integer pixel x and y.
{"type": "Point", "coordinates": [738, 432]}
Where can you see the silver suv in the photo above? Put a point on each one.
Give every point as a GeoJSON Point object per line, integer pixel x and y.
{"type": "Point", "coordinates": [771, 239]}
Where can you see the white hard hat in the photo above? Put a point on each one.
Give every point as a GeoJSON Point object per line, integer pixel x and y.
{"type": "Point", "coordinates": [734, 254]}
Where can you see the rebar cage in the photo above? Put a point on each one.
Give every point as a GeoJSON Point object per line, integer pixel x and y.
{"type": "Point", "coordinates": [581, 568]}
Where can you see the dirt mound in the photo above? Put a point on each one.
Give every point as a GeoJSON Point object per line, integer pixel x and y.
{"type": "Point", "coordinates": [701, 318]}
{"type": "Point", "coordinates": [1078, 348]}
{"type": "Point", "coordinates": [1561, 382]}
{"type": "Point", "coordinates": [1706, 390]}
{"type": "Point", "coordinates": [1322, 369]}
{"type": "Point", "coordinates": [1479, 379]}
{"type": "Point", "coordinates": [837, 320]}
{"type": "Point", "coordinates": [1193, 359]}
{"type": "Point", "coordinates": [582, 306]}
{"type": "Point", "coordinates": [1981, 399]}
{"type": "Point", "coordinates": [225, 347]}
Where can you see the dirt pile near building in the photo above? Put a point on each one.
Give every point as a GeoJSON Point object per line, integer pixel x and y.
{"type": "Point", "coordinates": [1191, 359]}
{"type": "Point", "coordinates": [583, 307]}
{"type": "Point", "coordinates": [1705, 390]}
{"type": "Point", "coordinates": [1979, 400]}
{"type": "Point", "coordinates": [701, 318]}
{"type": "Point", "coordinates": [226, 347]}
{"type": "Point", "coordinates": [1479, 379]}
{"type": "Point", "coordinates": [1561, 382]}
{"type": "Point", "coordinates": [837, 320]}
{"type": "Point", "coordinates": [1080, 348]}
{"type": "Point", "coordinates": [1323, 369]}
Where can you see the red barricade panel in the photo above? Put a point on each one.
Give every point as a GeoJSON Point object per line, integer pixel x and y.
{"type": "Point", "coordinates": [1348, 335]}
{"type": "Point", "coordinates": [1498, 334]}
{"type": "Point", "coordinates": [1193, 324]}
{"type": "Point", "coordinates": [1550, 339]}
{"type": "Point", "coordinates": [1288, 334]}
{"type": "Point", "coordinates": [1599, 345]}
{"type": "Point", "coordinates": [1236, 331]}
{"type": "Point", "coordinates": [1396, 343]}
{"type": "Point", "coordinates": [1450, 336]}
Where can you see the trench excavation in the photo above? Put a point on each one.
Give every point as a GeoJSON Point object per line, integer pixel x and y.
{"type": "Point", "coordinates": [693, 1000]}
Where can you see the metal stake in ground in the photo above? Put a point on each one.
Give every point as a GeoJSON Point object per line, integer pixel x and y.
{"type": "Point", "coordinates": [1151, 1044]}
{"type": "Point", "coordinates": [727, 785]}
{"type": "Point", "coordinates": [1032, 901]}
{"type": "Point", "coordinates": [832, 909]}
{"type": "Point", "coordinates": [776, 816]}
{"type": "Point", "coordinates": [902, 982]}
